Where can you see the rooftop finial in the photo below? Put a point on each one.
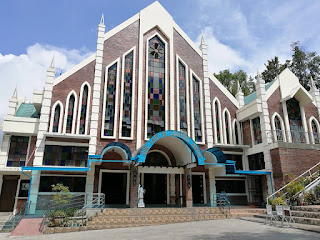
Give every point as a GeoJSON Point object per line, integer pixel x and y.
{"type": "Point", "coordinates": [238, 86]}
{"type": "Point", "coordinates": [312, 84]}
{"type": "Point", "coordinates": [15, 92]}
{"type": "Point", "coordinates": [102, 19]}
{"type": "Point", "coordinates": [202, 39]}
{"type": "Point", "coordinates": [52, 62]}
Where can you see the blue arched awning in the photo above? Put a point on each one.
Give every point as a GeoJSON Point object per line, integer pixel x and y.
{"type": "Point", "coordinates": [122, 146]}
{"type": "Point", "coordinates": [141, 154]}
{"type": "Point", "coordinates": [221, 158]}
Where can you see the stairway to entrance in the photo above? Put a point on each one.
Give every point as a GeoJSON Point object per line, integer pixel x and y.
{"type": "Point", "coordinates": [303, 215]}
{"type": "Point", "coordinates": [119, 218]}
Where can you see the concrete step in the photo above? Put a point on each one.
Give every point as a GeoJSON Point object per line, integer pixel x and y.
{"type": "Point", "coordinates": [301, 220]}
{"type": "Point", "coordinates": [311, 208]}
{"type": "Point", "coordinates": [306, 214]}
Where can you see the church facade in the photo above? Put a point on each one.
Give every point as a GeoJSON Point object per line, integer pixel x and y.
{"type": "Point", "coordinates": [145, 110]}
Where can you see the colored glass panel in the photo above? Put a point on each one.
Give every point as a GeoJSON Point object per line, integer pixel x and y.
{"type": "Point", "coordinates": [315, 132]}
{"type": "Point", "coordinates": [196, 110]}
{"type": "Point", "coordinates": [110, 101]}
{"type": "Point", "coordinates": [226, 119]}
{"type": "Point", "coordinates": [56, 118]}
{"type": "Point", "coordinates": [17, 155]}
{"type": "Point", "coordinates": [236, 141]}
{"type": "Point", "coordinates": [295, 120]}
{"type": "Point", "coordinates": [256, 128]}
{"type": "Point", "coordinates": [127, 96]}
{"type": "Point", "coordinates": [278, 129]}
{"type": "Point", "coordinates": [217, 114]}
{"type": "Point", "coordinates": [156, 87]}
{"type": "Point", "coordinates": [83, 114]}
{"type": "Point", "coordinates": [183, 99]}
{"type": "Point", "coordinates": [65, 156]}
{"type": "Point", "coordinates": [70, 114]}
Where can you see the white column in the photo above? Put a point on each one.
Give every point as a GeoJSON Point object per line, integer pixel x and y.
{"type": "Point", "coordinates": [95, 105]}
{"type": "Point", "coordinates": [4, 150]}
{"type": "Point", "coordinates": [207, 101]}
{"type": "Point", "coordinates": [304, 123]}
{"type": "Point", "coordinates": [172, 187]}
{"type": "Point", "coordinates": [34, 190]}
{"type": "Point", "coordinates": [286, 121]}
{"type": "Point", "coordinates": [212, 185]}
{"type": "Point", "coordinates": [44, 115]}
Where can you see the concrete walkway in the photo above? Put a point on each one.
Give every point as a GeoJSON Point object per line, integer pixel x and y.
{"type": "Point", "coordinates": [226, 229]}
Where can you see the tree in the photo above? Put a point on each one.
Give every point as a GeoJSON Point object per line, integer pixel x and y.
{"type": "Point", "coordinates": [273, 69]}
{"type": "Point", "coordinates": [230, 80]}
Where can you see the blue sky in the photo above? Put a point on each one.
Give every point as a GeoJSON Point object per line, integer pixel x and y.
{"type": "Point", "coordinates": [240, 34]}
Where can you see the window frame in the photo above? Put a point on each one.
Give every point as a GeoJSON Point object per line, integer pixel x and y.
{"type": "Point", "coordinates": [60, 117]}
{"type": "Point", "coordinates": [80, 106]}
{"type": "Point", "coordinates": [72, 92]}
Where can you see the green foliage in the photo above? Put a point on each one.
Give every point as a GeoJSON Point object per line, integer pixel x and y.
{"type": "Point", "coordinates": [317, 191]}
{"type": "Point", "coordinates": [62, 196]}
{"type": "Point", "coordinates": [293, 188]}
{"type": "Point", "coordinates": [273, 69]}
{"type": "Point", "coordinates": [231, 81]}
{"type": "Point", "coordinates": [279, 201]}
{"type": "Point", "coordinates": [70, 212]}
{"type": "Point", "coordinates": [309, 197]}
{"type": "Point", "coordinates": [59, 213]}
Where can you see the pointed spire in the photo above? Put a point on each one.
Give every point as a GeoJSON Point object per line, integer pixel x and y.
{"type": "Point", "coordinates": [202, 39]}
{"type": "Point", "coordinates": [312, 84]}
{"type": "Point", "coordinates": [238, 87]}
{"type": "Point", "coordinates": [102, 19]}
{"type": "Point", "coordinates": [15, 92]}
{"type": "Point", "coordinates": [52, 62]}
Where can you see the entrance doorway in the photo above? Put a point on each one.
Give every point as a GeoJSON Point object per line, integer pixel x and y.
{"type": "Point", "coordinates": [114, 184]}
{"type": "Point", "coordinates": [8, 193]}
{"type": "Point", "coordinates": [156, 188]}
{"type": "Point", "coordinates": [198, 189]}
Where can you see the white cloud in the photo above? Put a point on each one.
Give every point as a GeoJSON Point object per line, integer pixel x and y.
{"type": "Point", "coordinates": [28, 71]}
{"type": "Point", "coordinates": [221, 56]}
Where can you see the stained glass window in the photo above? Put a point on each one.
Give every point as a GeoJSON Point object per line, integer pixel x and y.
{"type": "Point", "coordinates": [227, 126]}
{"type": "Point", "coordinates": [65, 156]}
{"type": "Point", "coordinates": [56, 118]}
{"type": "Point", "coordinates": [295, 120]}
{"type": "Point", "coordinates": [315, 131]}
{"type": "Point", "coordinates": [110, 101]}
{"type": "Point", "coordinates": [278, 129]}
{"type": "Point", "coordinates": [236, 135]}
{"type": "Point", "coordinates": [127, 96]}
{"type": "Point", "coordinates": [83, 114]}
{"type": "Point", "coordinates": [183, 98]}
{"type": "Point", "coordinates": [217, 115]}
{"type": "Point", "coordinates": [70, 114]}
{"type": "Point", "coordinates": [196, 110]}
{"type": "Point", "coordinates": [17, 156]}
{"type": "Point", "coordinates": [256, 128]}
{"type": "Point", "coordinates": [156, 87]}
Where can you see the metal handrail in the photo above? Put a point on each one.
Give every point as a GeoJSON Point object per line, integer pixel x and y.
{"type": "Point", "coordinates": [221, 199]}
{"type": "Point", "coordinates": [310, 174]}
{"type": "Point", "coordinates": [18, 215]}
{"type": "Point", "coordinates": [296, 136]}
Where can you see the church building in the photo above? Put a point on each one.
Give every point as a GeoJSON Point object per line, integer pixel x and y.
{"type": "Point", "coordinates": [145, 110]}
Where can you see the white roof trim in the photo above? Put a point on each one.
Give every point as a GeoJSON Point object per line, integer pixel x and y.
{"type": "Point", "coordinates": [74, 69]}
{"type": "Point", "coordinates": [186, 37]}
{"type": "Point", "coordinates": [224, 90]}
{"type": "Point", "coordinates": [295, 91]}
{"type": "Point", "coordinates": [272, 88]}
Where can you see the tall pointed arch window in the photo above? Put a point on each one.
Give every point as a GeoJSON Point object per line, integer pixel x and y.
{"type": "Point", "coordinates": [156, 86]}
{"type": "Point", "coordinates": [196, 110]}
{"type": "Point", "coordinates": [70, 114]}
{"type": "Point", "coordinates": [56, 119]}
{"type": "Point", "coordinates": [315, 131]}
{"type": "Point", "coordinates": [295, 120]}
{"type": "Point", "coordinates": [217, 120]}
{"type": "Point", "coordinates": [278, 128]}
{"type": "Point", "coordinates": [183, 98]}
{"type": "Point", "coordinates": [127, 96]}
{"type": "Point", "coordinates": [236, 130]}
{"type": "Point", "coordinates": [110, 101]}
{"type": "Point", "coordinates": [83, 110]}
{"type": "Point", "coordinates": [256, 130]}
{"type": "Point", "coordinates": [227, 126]}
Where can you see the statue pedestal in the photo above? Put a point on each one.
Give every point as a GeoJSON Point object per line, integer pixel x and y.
{"type": "Point", "coordinates": [141, 203]}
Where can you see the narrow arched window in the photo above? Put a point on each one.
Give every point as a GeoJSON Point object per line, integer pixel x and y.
{"type": "Point", "coordinates": [127, 96]}
{"type": "Point", "coordinates": [70, 114]}
{"type": "Point", "coordinates": [236, 134]}
{"type": "Point", "coordinates": [156, 86]}
{"type": "Point", "coordinates": [84, 107]}
{"type": "Point", "coordinates": [183, 98]}
{"type": "Point", "coordinates": [278, 128]}
{"type": "Point", "coordinates": [217, 120]}
{"type": "Point", "coordinates": [56, 119]}
{"type": "Point", "coordinates": [315, 131]}
{"type": "Point", "coordinates": [227, 126]}
{"type": "Point", "coordinates": [110, 101]}
{"type": "Point", "coordinates": [197, 110]}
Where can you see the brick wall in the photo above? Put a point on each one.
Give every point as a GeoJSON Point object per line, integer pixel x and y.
{"type": "Point", "coordinates": [291, 161]}
{"type": "Point", "coordinates": [274, 104]}
{"type": "Point", "coordinates": [247, 140]}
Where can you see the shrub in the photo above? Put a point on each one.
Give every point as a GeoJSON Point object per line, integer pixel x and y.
{"type": "Point", "coordinates": [62, 196]}
{"type": "Point", "coordinates": [279, 201]}
{"type": "Point", "coordinates": [293, 188]}
{"type": "Point", "coordinates": [59, 213]}
{"type": "Point", "coordinates": [309, 197]}
{"type": "Point", "coordinates": [317, 191]}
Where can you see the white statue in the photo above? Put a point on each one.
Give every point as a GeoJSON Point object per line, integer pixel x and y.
{"type": "Point", "coordinates": [141, 192]}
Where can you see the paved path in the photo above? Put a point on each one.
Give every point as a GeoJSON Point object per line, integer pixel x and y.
{"type": "Point", "coordinates": [226, 229]}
